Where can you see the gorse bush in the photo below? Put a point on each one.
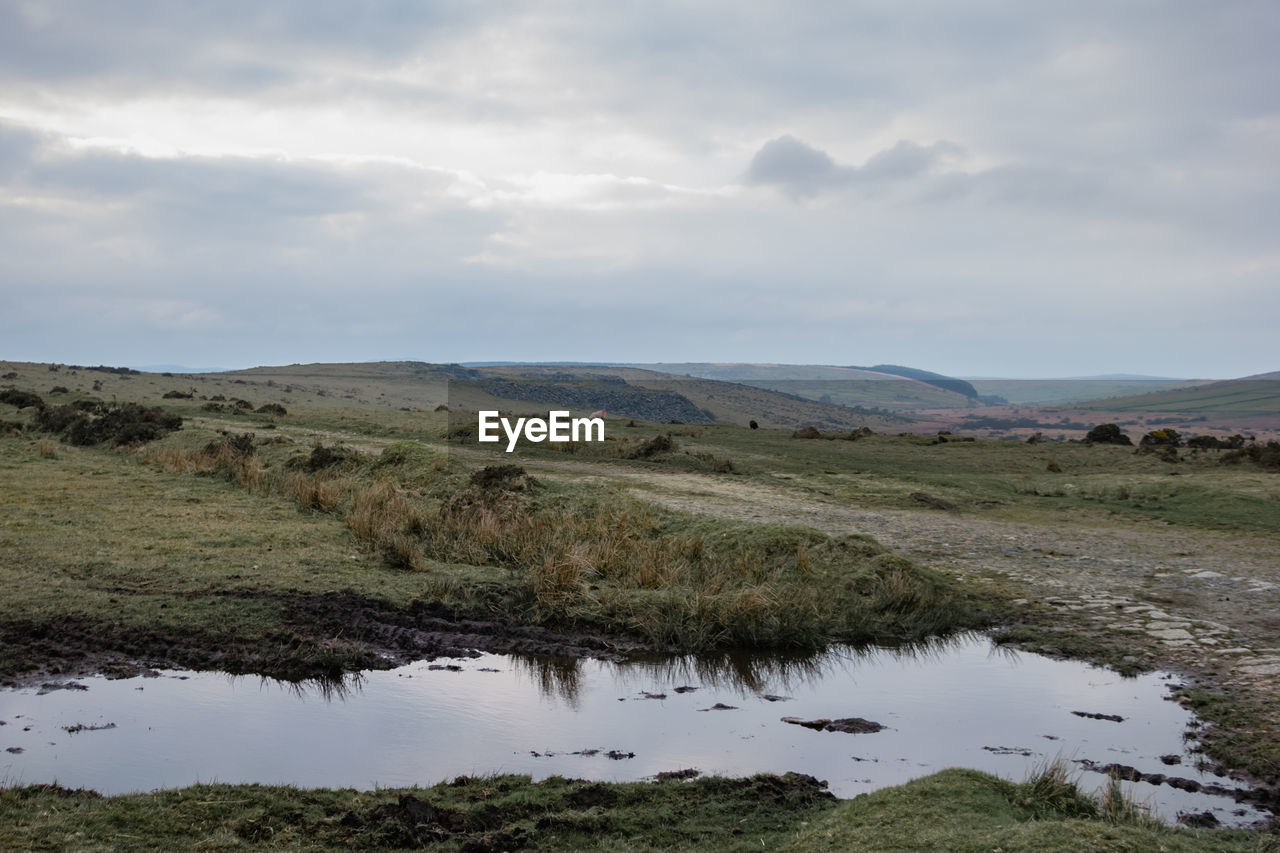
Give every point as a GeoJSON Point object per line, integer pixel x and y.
{"type": "Point", "coordinates": [1108, 434]}
{"type": "Point", "coordinates": [87, 423]}
{"type": "Point", "coordinates": [20, 399]}
{"type": "Point", "coordinates": [1265, 456]}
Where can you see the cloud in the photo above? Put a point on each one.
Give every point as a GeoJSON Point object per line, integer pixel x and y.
{"type": "Point", "coordinates": [802, 171]}
{"type": "Point", "coordinates": [853, 183]}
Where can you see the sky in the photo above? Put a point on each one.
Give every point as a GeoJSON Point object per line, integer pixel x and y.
{"type": "Point", "coordinates": [994, 188]}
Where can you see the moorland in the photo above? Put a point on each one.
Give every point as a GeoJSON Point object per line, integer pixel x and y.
{"type": "Point", "coordinates": [307, 521]}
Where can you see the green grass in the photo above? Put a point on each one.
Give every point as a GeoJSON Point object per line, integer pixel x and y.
{"type": "Point", "coordinates": [217, 560]}
{"type": "Point", "coordinates": [965, 810]}
{"type": "Point", "coordinates": [955, 810]}
{"type": "Point", "coordinates": [1235, 396]}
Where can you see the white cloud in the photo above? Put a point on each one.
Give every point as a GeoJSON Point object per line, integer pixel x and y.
{"type": "Point", "coordinates": [713, 181]}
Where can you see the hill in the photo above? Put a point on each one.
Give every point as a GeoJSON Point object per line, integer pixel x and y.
{"type": "Point", "coordinates": [946, 383]}
{"type": "Point", "coordinates": [1023, 392]}
{"type": "Point", "coordinates": [1252, 395]}
{"type": "Point", "coordinates": [417, 386]}
{"type": "Point", "coordinates": [868, 388]}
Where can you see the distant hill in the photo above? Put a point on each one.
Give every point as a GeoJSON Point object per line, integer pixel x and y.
{"type": "Point", "coordinates": [946, 383]}
{"type": "Point", "coordinates": [1034, 392]}
{"type": "Point", "coordinates": [176, 368]}
{"type": "Point", "coordinates": [412, 386]}
{"type": "Point", "coordinates": [745, 372]}
{"type": "Point", "coordinates": [1251, 395]}
{"type": "Point", "coordinates": [868, 388]}
{"type": "Point", "coordinates": [725, 402]}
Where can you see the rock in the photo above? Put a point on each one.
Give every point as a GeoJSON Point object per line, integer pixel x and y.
{"type": "Point", "coordinates": [1201, 820]}
{"type": "Point", "coordinates": [1115, 718]}
{"type": "Point", "coordinates": [1172, 634]}
{"type": "Point", "coordinates": [848, 725]}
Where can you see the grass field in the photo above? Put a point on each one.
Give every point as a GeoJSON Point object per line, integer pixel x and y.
{"type": "Point", "coordinates": [239, 541]}
{"type": "Point", "coordinates": [1236, 396]}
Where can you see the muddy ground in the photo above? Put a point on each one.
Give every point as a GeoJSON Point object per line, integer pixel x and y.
{"type": "Point", "coordinates": [335, 633]}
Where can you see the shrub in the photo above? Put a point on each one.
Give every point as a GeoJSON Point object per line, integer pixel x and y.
{"type": "Point", "coordinates": [178, 395]}
{"type": "Point", "coordinates": [1165, 452]}
{"type": "Point", "coordinates": [652, 447]}
{"type": "Point", "coordinates": [272, 409]}
{"type": "Point", "coordinates": [322, 457]}
{"type": "Point", "coordinates": [1265, 456]}
{"type": "Point", "coordinates": [807, 432]}
{"type": "Point", "coordinates": [20, 399]}
{"type": "Point", "coordinates": [511, 478]}
{"type": "Point", "coordinates": [1108, 434]}
{"type": "Point", "coordinates": [59, 389]}
{"type": "Point", "coordinates": [1161, 438]}
{"type": "Point", "coordinates": [128, 423]}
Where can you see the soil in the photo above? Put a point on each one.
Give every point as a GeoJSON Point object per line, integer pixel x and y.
{"type": "Point", "coordinates": [329, 635]}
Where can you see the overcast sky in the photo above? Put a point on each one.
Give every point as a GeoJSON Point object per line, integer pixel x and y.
{"type": "Point", "coordinates": [976, 188]}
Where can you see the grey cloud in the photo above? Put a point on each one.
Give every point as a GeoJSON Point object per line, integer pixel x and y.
{"type": "Point", "coordinates": [18, 144]}
{"type": "Point", "coordinates": [233, 45]}
{"type": "Point", "coordinates": [799, 169]}
{"type": "Point", "coordinates": [802, 171]}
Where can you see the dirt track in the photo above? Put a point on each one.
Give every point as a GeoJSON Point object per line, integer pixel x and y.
{"type": "Point", "coordinates": [1196, 600]}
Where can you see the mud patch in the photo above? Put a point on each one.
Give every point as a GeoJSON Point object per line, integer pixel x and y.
{"type": "Point", "coordinates": [414, 822]}
{"type": "Point", "coordinates": [321, 637]}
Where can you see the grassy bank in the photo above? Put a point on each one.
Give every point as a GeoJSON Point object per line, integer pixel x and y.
{"type": "Point", "coordinates": [210, 550]}
{"type": "Point", "coordinates": [955, 810]}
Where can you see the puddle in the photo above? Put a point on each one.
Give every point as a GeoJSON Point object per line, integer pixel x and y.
{"type": "Point", "coordinates": [954, 704]}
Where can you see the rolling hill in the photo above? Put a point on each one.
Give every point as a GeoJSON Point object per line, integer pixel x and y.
{"type": "Point", "coordinates": [1251, 395]}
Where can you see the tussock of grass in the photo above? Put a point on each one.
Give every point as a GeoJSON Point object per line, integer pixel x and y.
{"type": "Point", "coordinates": [592, 558]}
{"type": "Point", "coordinates": [966, 810]}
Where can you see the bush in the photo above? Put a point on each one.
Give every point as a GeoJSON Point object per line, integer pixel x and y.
{"type": "Point", "coordinates": [652, 447]}
{"type": "Point", "coordinates": [20, 399]}
{"type": "Point", "coordinates": [128, 423]}
{"type": "Point", "coordinates": [501, 477]}
{"type": "Point", "coordinates": [1161, 438]}
{"type": "Point", "coordinates": [321, 458]}
{"type": "Point", "coordinates": [1108, 434]}
{"type": "Point", "coordinates": [178, 395]}
{"type": "Point", "coordinates": [807, 432]}
{"type": "Point", "coordinates": [272, 409]}
{"type": "Point", "coordinates": [1265, 456]}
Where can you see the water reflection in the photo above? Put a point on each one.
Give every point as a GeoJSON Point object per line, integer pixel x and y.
{"type": "Point", "coordinates": [560, 678]}
{"type": "Point", "coordinates": [742, 673]}
{"type": "Point", "coordinates": [956, 702]}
